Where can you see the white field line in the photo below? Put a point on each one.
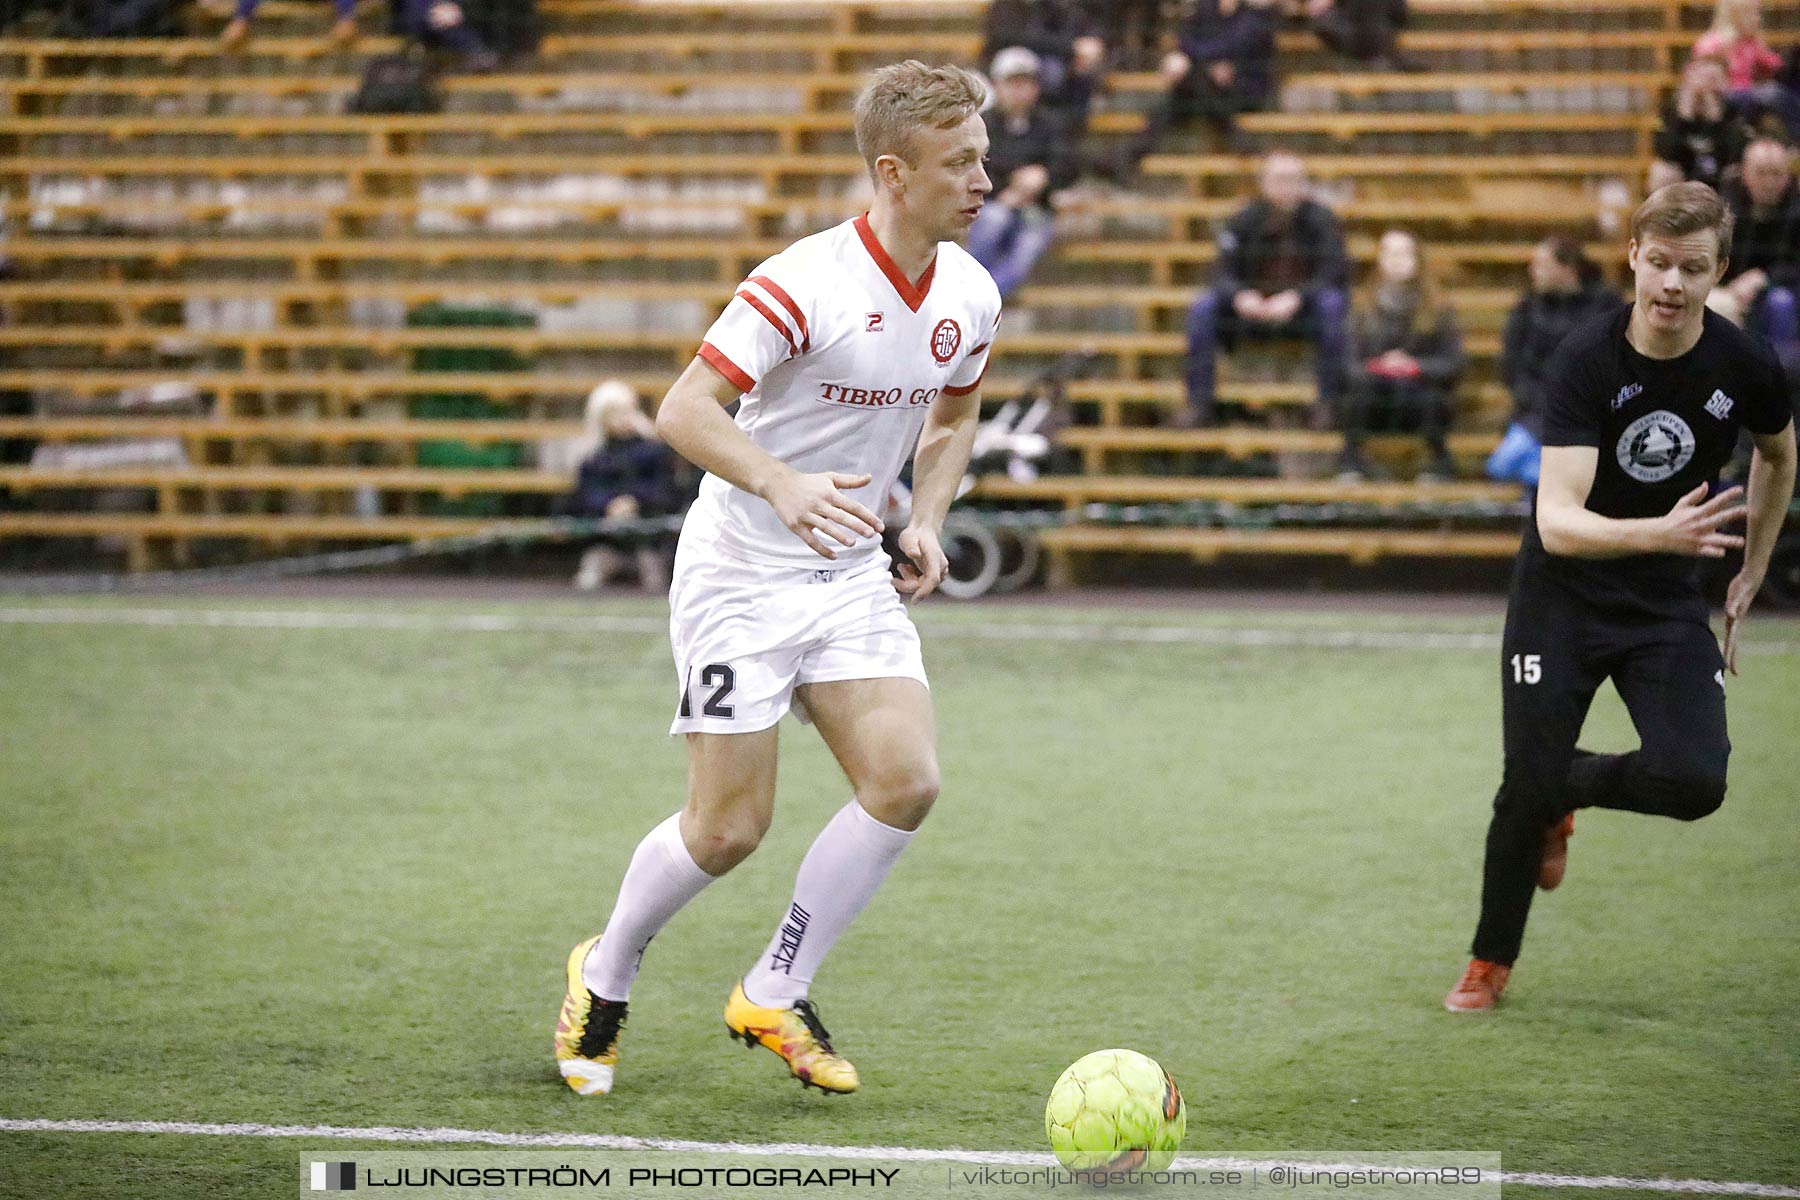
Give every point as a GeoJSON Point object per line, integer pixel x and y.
{"type": "Point", "coordinates": [604, 1141]}
{"type": "Point", "coordinates": [1237, 637]}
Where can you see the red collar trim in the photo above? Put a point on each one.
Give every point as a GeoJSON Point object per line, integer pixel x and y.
{"type": "Point", "coordinates": [913, 293]}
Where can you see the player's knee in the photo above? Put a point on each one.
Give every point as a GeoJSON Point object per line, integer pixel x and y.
{"type": "Point", "coordinates": [1688, 795]}
{"type": "Point", "coordinates": [722, 841]}
{"type": "Point", "coordinates": [902, 799]}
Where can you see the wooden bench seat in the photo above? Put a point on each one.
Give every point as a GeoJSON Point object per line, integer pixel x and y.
{"type": "Point", "coordinates": [791, 129]}
{"type": "Point", "coordinates": [1101, 447]}
{"type": "Point", "coordinates": [1066, 546]}
{"type": "Point", "coordinates": [814, 89]}
{"type": "Point", "coordinates": [1074, 491]}
{"type": "Point", "coordinates": [167, 480]}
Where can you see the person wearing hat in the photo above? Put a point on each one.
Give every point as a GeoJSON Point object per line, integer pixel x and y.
{"type": "Point", "coordinates": [1030, 160]}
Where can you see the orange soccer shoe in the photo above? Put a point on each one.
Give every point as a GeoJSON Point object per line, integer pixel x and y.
{"type": "Point", "coordinates": [1479, 988]}
{"type": "Point", "coordinates": [1556, 852]}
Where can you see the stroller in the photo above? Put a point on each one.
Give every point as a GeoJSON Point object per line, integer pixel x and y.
{"type": "Point", "coordinates": [1016, 441]}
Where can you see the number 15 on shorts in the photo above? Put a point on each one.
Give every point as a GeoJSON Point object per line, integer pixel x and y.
{"type": "Point", "coordinates": [1527, 668]}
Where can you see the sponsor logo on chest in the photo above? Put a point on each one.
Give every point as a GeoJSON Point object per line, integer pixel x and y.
{"type": "Point", "coordinates": [875, 399]}
{"type": "Point", "coordinates": [1720, 405]}
{"type": "Point", "coordinates": [1627, 394]}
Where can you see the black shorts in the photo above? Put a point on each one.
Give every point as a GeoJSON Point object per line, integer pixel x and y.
{"type": "Point", "coordinates": [1560, 646]}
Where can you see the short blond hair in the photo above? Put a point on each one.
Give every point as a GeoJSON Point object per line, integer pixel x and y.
{"type": "Point", "coordinates": [1681, 209]}
{"type": "Point", "coordinates": [905, 97]}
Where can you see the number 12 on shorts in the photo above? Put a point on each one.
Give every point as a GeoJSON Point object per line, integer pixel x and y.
{"type": "Point", "coordinates": [1527, 668]}
{"type": "Point", "coordinates": [722, 679]}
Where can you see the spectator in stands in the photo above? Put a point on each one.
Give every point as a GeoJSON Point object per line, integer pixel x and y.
{"type": "Point", "coordinates": [1736, 41]}
{"type": "Point", "coordinates": [1702, 134]}
{"type": "Point", "coordinates": [343, 29]}
{"type": "Point", "coordinates": [1565, 290]}
{"type": "Point", "coordinates": [625, 474]}
{"type": "Point", "coordinates": [1281, 272]}
{"type": "Point", "coordinates": [1763, 277]}
{"type": "Point", "coordinates": [443, 23]}
{"type": "Point", "coordinates": [111, 18]}
{"type": "Point", "coordinates": [1134, 28]}
{"type": "Point", "coordinates": [1366, 30]}
{"type": "Point", "coordinates": [1405, 357]}
{"type": "Point", "coordinates": [1225, 66]}
{"type": "Point", "coordinates": [1071, 53]}
{"type": "Point", "coordinates": [1031, 158]}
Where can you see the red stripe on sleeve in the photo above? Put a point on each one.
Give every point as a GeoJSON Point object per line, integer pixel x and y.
{"type": "Point", "coordinates": [774, 289]}
{"type": "Point", "coordinates": [771, 318]}
{"type": "Point", "coordinates": [963, 391]}
{"type": "Point", "coordinates": [715, 358]}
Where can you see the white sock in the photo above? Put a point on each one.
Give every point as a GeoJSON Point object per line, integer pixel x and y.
{"type": "Point", "coordinates": [847, 862]}
{"type": "Point", "coordinates": [661, 879]}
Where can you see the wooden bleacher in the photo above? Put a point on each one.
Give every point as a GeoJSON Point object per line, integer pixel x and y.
{"type": "Point", "coordinates": [143, 178]}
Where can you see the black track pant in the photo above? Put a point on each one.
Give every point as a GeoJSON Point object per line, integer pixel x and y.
{"type": "Point", "coordinates": [1557, 651]}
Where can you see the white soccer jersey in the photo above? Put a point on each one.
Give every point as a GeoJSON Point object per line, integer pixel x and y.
{"type": "Point", "coordinates": [840, 356]}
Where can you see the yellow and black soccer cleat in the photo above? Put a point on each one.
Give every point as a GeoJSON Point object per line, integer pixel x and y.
{"type": "Point", "coordinates": [797, 1035]}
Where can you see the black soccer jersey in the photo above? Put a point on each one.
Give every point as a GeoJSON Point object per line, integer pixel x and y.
{"type": "Point", "coordinates": [1662, 426]}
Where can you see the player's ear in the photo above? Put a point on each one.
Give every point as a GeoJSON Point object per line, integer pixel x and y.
{"type": "Point", "coordinates": [1631, 249]}
{"type": "Point", "coordinates": [888, 173]}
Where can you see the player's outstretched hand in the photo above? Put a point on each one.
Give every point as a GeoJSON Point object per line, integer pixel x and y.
{"type": "Point", "coordinates": [1738, 596]}
{"type": "Point", "coordinates": [815, 508]}
{"type": "Point", "coordinates": [920, 577]}
{"type": "Point", "coordinates": [1695, 525]}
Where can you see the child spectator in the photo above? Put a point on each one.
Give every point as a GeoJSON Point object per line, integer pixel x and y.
{"type": "Point", "coordinates": [1735, 40]}
{"type": "Point", "coordinates": [625, 473]}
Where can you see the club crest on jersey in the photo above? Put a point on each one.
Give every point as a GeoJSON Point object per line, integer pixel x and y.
{"type": "Point", "coordinates": [1655, 446]}
{"type": "Point", "coordinates": [1627, 394]}
{"type": "Point", "coordinates": [1720, 405]}
{"type": "Point", "coordinates": [946, 340]}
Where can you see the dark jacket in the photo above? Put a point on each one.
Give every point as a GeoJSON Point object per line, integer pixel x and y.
{"type": "Point", "coordinates": [631, 466]}
{"type": "Point", "coordinates": [1433, 338]}
{"type": "Point", "coordinates": [1246, 39]}
{"type": "Point", "coordinates": [1047, 27]}
{"type": "Point", "coordinates": [1258, 251]}
{"type": "Point", "coordinates": [1770, 242]}
{"type": "Point", "coordinates": [1043, 138]}
{"type": "Point", "coordinates": [1535, 327]}
{"type": "Point", "coordinates": [1701, 148]}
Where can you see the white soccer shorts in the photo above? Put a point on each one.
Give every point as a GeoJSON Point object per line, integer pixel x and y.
{"type": "Point", "coordinates": [745, 635]}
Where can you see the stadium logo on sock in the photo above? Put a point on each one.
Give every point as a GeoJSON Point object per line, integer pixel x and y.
{"type": "Point", "coordinates": [334, 1177]}
{"type": "Point", "coordinates": [793, 930]}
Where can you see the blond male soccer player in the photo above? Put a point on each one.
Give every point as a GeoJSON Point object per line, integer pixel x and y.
{"type": "Point", "coordinates": [848, 348]}
{"type": "Point", "coordinates": [1642, 409]}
